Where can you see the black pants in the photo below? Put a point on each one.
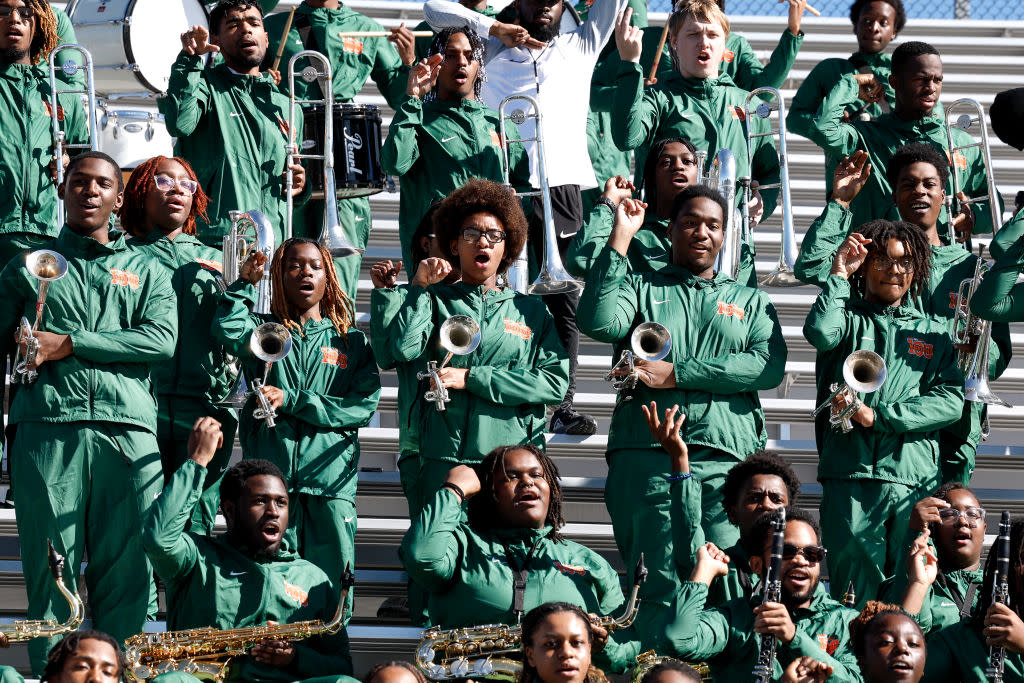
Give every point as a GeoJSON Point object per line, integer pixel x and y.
{"type": "Point", "coordinates": [567, 207]}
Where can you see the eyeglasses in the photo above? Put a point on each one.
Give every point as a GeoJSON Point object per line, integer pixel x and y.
{"type": "Point", "coordinates": [472, 235]}
{"type": "Point", "coordinates": [812, 553]}
{"type": "Point", "coordinates": [974, 516]}
{"type": "Point", "coordinates": [883, 264]}
{"type": "Point", "coordinates": [166, 184]}
{"type": "Point", "coordinates": [23, 12]}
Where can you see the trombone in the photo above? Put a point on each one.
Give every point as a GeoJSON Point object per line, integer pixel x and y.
{"type": "Point", "coordinates": [863, 371]}
{"type": "Point", "coordinates": [964, 122]}
{"type": "Point", "coordinates": [59, 137]}
{"type": "Point", "coordinates": [459, 336]}
{"type": "Point", "coordinates": [782, 275]}
{"type": "Point", "coordinates": [270, 342]}
{"type": "Point", "coordinates": [553, 278]}
{"type": "Point", "coordinates": [45, 266]}
{"type": "Point", "coordinates": [650, 341]}
{"type": "Point", "coordinates": [332, 237]}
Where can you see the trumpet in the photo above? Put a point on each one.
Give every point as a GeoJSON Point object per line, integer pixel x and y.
{"type": "Point", "coordinates": [553, 277]}
{"type": "Point", "coordinates": [270, 342]}
{"type": "Point", "coordinates": [782, 275]}
{"type": "Point", "coordinates": [59, 137]}
{"type": "Point", "coordinates": [459, 336]}
{"type": "Point", "coordinates": [332, 237]}
{"type": "Point", "coordinates": [474, 651]}
{"type": "Point", "coordinates": [250, 231]}
{"type": "Point", "coordinates": [863, 371]}
{"type": "Point", "coordinates": [21, 631]}
{"type": "Point", "coordinates": [964, 122]}
{"type": "Point", "coordinates": [650, 341]}
{"type": "Point", "coordinates": [45, 266]}
{"type": "Point", "coordinates": [208, 652]}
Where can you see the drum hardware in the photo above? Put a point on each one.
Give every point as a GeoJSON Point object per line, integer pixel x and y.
{"type": "Point", "coordinates": [553, 277]}
{"type": "Point", "coordinates": [59, 144]}
{"type": "Point", "coordinates": [332, 237]}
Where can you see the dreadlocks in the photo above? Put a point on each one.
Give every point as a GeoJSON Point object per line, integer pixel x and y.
{"type": "Point", "coordinates": [482, 512]}
{"type": "Point", "coordinates": [140, 183]}
{"type": "Point", "coordinates": [335, 304]}
{"type": "Point", "coordinates": [440, 47]}
{"type": "Point", "coordinates": [914, 241]}
{"type": "Point", "coordinates": [45, 39]}
{"type": "Point", "coordinates": [650, 189]}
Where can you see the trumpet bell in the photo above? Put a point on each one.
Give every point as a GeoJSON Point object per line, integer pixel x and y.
{"type": "Point", "coordinates": [651, 341]}
{"type": "Point", "coordinates": [270, 342]}
{"type": "Point", "coordinates": [46, 265]}
{"type": "Point", "coordinates": [864, 371]}
{"type": "Point", "coordinates": [460, 335]}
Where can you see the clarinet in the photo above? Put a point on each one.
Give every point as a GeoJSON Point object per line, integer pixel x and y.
{"type": "Point", "coordinates": [1000, 594]}
{"type": "Point", "coordinates": [772, 593]}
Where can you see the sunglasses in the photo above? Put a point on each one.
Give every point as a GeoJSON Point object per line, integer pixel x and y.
{"type": "Point", "coordinates": [23, 12]}
{"type": "Point", "coordinates": [812, 553]}
{"type": "Point", "coordinates": [166, 184]}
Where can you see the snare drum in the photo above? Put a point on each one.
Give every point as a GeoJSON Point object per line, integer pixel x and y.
{"type": "Point", "coordinates": [134, 42]}
{"type": "Point", "coordinates": [357, 143]}
{"type": "Point", "coordinates": [132, 133]}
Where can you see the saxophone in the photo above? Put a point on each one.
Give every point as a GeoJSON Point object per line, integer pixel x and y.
{"type": "Point", "coordinates": [476, 651]}
{"type": "Point", "coordinates": [207, 652]}
{"type": "Point", "coordinates": [646, 661]}
{"type": "Point", "coordinates": [21, 631]}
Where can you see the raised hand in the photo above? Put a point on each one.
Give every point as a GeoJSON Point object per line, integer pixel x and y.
{"type": "Point", "coordinates": [668, 434]}
{"type": "Point", "coordinates": [196, 41]}
{"type": "Point", "coordinates": [466, 478]}
{"type": "Point", "coordinates": [254, 267]}
{"type": "Point", "coordinates": [963, 222]}
{"type": "Point", "coordinates": [405, 43]}
{"type": "Point", "coordinates": [851, 175]}
{"type": "Point", "coordinates": [926, 512]}
{"type": "Point", "coordinates": [204, 440]}
{"type": "Point", "coordinates": [628, 37]}
{"type": "Point", "coordinates": [431, 271]}
{"type": "Point", "coordinates": [796, 14]}
{"type": "Point", "coordinates": [851, 255]}
{"type": "Point", "coordinates": [806, 670]}
{"type": "Point", "coordinates": [871, 90]}
{"type": "Point", "coordinates": [712, 562]}
{"type": "Point", "coordinates": [384, 275]}
{"type": "Point", "coordinates": [922, 564]}
{"type": "Point", "coordinates": [423, 76]}
{"type": "Point", "coordinates": [618, 188]}
{"type": "Point", "coordinates": [515, 36]}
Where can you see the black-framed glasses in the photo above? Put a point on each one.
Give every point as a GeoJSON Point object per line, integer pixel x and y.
{"type": "Point", "coordinates": [973, 515]}
{"type": "Point", "coordinates": [472, 235]}
{"type": "Point", "coordinates": [812, 553]}
{"type": "Point", "coordinates": [23, 12]}
{"type": "Point", "coordinates": [166, 184]}
{"type": "Point", "coordinates": [881, 263]}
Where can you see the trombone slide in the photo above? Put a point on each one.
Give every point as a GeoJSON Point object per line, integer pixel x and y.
{"type": "Point", "coordinates": [59, 137]}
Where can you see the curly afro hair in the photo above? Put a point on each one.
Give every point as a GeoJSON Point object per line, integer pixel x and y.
{"type": "Point", "coordinates": [912, 154]}
{"type": "Point", "coordinates": [761, 462]}
{"type": "Point", "coordinates": [483, 196]}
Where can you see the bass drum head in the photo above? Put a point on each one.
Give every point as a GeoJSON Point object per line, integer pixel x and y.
{"type": "Point", "coordinates": [132, 133]}
{"type": "Point", "coordinates": [153, 38]}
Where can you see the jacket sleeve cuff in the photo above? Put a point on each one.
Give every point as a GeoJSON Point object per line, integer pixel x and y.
{"type": "Point", "coordinates": [189, 62]}
{"type": "Point", "coordinates": [244, 290]}
{"type": "Point", "coordinates": [801, 645]}
{"type": "Point", "coordinates": [478, 379]}
{"type": "Point", "coordinates": [412, 110]}
{"type": "Point", "coordinates": [630, 69]}
{"type": "Point", "coordinates": [836, 288]}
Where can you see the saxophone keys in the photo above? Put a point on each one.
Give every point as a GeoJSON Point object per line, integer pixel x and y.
{"type": "Point", "coordinates": [460, 667]}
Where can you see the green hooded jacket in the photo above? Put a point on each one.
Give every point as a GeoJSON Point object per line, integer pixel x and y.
{"type": "Point", "coordinates": [353, 60]}
{"type": "Point", "coordinates": [197, 369]}
{"type": "Point", "coordinates": [999, 297]}
{"type": "Point", "coordinates": [519, 367]}
{"type": "Point", "coordinates": [331, 388]}
{"type": "Point", "coordinates": [234, 131]}
{"type": "Point", "coordinates": [29, 200]}
{"type": "Point", "coordinates": [118, 307]}
{"type": "Point", "coordinates": [213, 582]}
{"type": "Point", "coordinates": [958, 654]}
{"type": "Point", "coordinates": [819, 83]}
{"type": "Point", "coordinates": [709, 113]}
{"type": "Point", "coordinates": [1008, 234]}
{"type": "Point", "coordinates": [726, 346]}
{"type": "Point", "coordinates": [923, 389]}
{"type": "Point", "coordinates": [384, 306]}
{"type": "Point", "coordinates": [470, 579]}
{"type": "Point", "coordinates": [881, 138]}
{"type": "Point", "coordinates": [435, 147]}
{"type": "Point", "coordinates": [724, 636]}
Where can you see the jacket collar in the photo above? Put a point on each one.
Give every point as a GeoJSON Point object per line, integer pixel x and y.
{"type": "Point", "coordinates": [463, 290]}
{"type": "Point", "coordinates": [924, 126]}
{"type": "Point", "coordinates": [156, 235]}
{"type": "Point", "coordinates": [905, 311]}
{"type": "Point", "coordinates": [285, 554]}
{"type": "Point", "coordinates": [700, 88]}
{"type": "Point", "coordinates": [463, 104]}
{"type": "Point", "coordinates": [948, 254]}
{"type": "Point", "coordinates": [69, 243]}
{"type": "Point", "coordinates": [20, 72]}
{"type": "Point", "coordinates": [688, 279]}
{"type": "Point", "coordinates": [263, 81]}
{"type": "Point", "coordinates": [521, 535]}
{"type": "Point", "coordinates": [876, 59]}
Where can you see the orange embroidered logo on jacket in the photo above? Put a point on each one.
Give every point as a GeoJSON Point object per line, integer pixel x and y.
{"type": "Point", "coordinates": [517, 328]}
{"type": "Point", "coordinates": [495, 138]}
{"type": "Point", "coordinates": [958, 160]}
{"type": "Point", "coordinates": [332, 356]}
{"type": "Point", "coordinates": [353, 45]}
{"type": "Point", "coordinates": [569, 569]}
{"type": "Point", "coordinates": [731, 310]}
{"type": "Point", "coordinates": [124, 278]}
{"type": "Point", "coordinates": [918, 347]}
{"type": "Point", "coordinates": [728, 56]}
{"type": "Point", "coordinates": [828, 643]}
{"type": "Point", "coordinates": [49, 108]}
{"type": "Point", "coordinates": [296, 593]}
{"type": "Point", "coordinates": [207, 264]}
{"type": "Point", "coordinates": [283, 125]}
{"type": "Point", "coordinates": [954, 300]}
{"type": "Point", "coordinates": [738, 112]}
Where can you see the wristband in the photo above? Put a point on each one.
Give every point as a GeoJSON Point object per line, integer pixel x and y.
{"type": "Point", "coordinates": [456, 489]}
{"type": "Point", "coordinates": [680, 477]}
{"type": "Point", "coordinates": [612, 206]}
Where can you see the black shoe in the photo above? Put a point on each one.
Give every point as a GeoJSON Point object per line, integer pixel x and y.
{"type": "Point", "coordinates": [572, 422]}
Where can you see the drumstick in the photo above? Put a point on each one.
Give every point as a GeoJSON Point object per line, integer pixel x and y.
{"type": "Point", "coordinates": [812, 11]}
{"type": "Point", "coordinates": [284, 39]}
{"type": "Point", "coordinates": [651, 79]}
{"type": "Point", "coordinates": [381, 34]}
